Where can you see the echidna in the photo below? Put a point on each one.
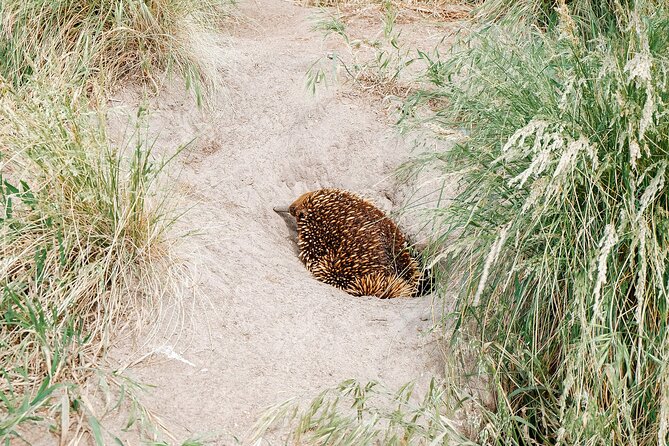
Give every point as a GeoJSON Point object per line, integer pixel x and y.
{"type": "Point", "coordinates": [349, 243]}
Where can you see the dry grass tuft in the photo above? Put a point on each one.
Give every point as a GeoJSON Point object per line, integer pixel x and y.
{"type": "Point", "coordinates": [440, 9]}
{"type": "Point", "coordinates": [105, 41]}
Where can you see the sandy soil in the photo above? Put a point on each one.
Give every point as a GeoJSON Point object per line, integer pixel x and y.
{"type": "Point", "coordinates": [264, 330]}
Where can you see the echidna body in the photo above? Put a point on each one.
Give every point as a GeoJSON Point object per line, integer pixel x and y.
{"type": "Point", "coordinates": [349, 243]}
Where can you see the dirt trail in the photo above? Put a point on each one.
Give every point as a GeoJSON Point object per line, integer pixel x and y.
{"type": "Point", "coordinates": [267, 330]}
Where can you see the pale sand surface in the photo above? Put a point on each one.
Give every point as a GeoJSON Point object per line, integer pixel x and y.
{"type": "Point", "coordinates": [262, 329]}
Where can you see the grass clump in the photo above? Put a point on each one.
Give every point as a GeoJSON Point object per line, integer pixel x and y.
{"type": "Point", "coordinates": [441, 9]}
{"type": "Point", "coordinates": [104, 41]}
{"type": "Point", "coordinates": [80, 244]}
{"type": "Point", "coordinates": [357, 414]}
{"type": "Point", "coordinates": [81, 227]}
{"type": "Point", "coordinates": [557, 235]}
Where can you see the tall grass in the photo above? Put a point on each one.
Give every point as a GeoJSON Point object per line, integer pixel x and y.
{"type": "Point", "coordinates": [557, 236]}
{"type": "Point", "coordinates": [106, 40]}
{"type": "Point", "coordinates": [82, 248]}
{"type": "Point", "coordinates": [597, 15]}
{"type": "Point", "coordinates": [79, 243]}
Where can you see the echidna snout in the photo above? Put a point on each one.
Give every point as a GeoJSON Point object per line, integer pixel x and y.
{"type": "Point", "coordinates": [349, 243]}
{"type": "Point", "coordinates": [294, 208]}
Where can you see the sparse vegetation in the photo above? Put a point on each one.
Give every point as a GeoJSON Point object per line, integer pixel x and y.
{"type": "Point", "coordinates": [356, 414]}
{"type": "Point", "coordinates": [435, 8]}
{"type": "Point", "coordinates": [376, 65]}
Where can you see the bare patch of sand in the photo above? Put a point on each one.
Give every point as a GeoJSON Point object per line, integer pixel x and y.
{"type": "Point", "coordinates": [264, 330]}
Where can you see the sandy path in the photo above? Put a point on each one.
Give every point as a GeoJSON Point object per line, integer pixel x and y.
{"type": "Point", "coordinates": [268, 331]}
